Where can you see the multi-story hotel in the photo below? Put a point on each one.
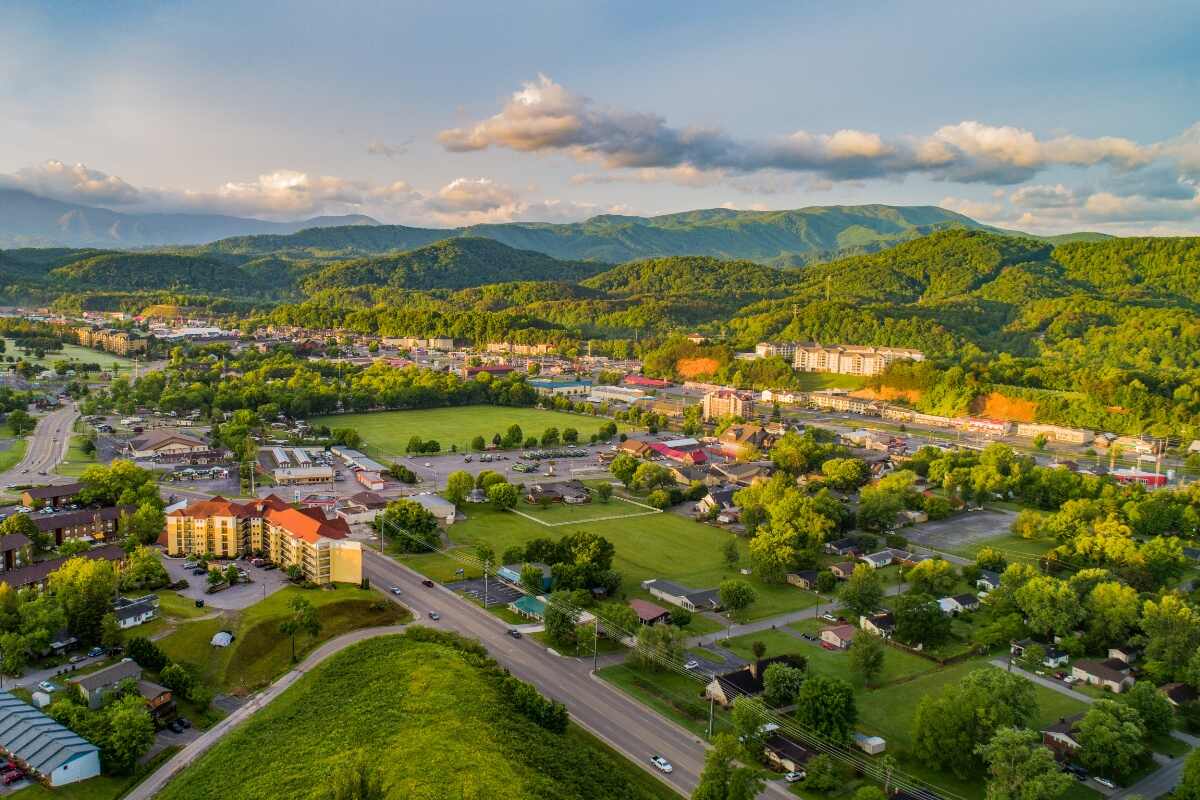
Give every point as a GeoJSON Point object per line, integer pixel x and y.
{"type": "Point", "coordinates": [850, 359]}
{"type": "Point", "coordinates": [285, 535]}
{"type": "Point", "coordinates": [727, 403]}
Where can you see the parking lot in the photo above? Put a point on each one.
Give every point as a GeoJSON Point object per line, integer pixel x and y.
{"type": "Point", "coordinates": [240, 595]}
{"type": "Point", "coordinates": [498, 593]}
{"type": "Point", "coordinates": [962, 529]}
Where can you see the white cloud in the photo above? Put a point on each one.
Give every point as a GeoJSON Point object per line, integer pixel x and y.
{"type": "Point", "coordinates": [72, 183]}
{"type": "Point", "coordinates": [1057, 196]}
{"type": "Point", "coordinates": [378, 147]}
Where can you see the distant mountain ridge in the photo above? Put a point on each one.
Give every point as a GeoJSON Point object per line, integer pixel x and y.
{"type": "Point", "coordinates": [27, 220]}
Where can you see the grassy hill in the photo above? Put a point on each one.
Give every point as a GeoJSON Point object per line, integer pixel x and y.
{"type": "Point", "coordinates": [151, 271]}
{"type": "Point", "coordinates": [428, 712]}
{"type": "Point", "coordinates": [694, 275]}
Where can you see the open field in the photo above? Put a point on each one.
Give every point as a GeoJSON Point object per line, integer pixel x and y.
{"type": "Point", "coordinates": [13, 450]}
{"type": "Point", "coordinates": [564, 514]}
{"type": "Point", "coordinates": [260, 652]}
{"type": "Point", "coordinates": [812, 381]}
{"type": "Point", "coordinates": [1011, 545]}
{"type": "Point", "coordinates": [400, 695]}
{"type": "Point", "coordinates": [71, 352]}
{"type": "Point", "coordinates": [897, 664]}
{"type": "Point", "coordinates": [385, 433]}
{"type": "Point", "coordinates": [655, 546]}
{"type": "Point", "coordinates": [76, 460]}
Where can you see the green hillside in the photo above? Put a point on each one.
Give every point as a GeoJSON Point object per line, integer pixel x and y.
{"type": "Point", "coordinates": [429, 715]}
{"type": "Point", "coordinates": [150, 271]}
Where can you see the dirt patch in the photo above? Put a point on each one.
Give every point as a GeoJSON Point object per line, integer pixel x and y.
{"type": "Point", "coordinates": [889, 393]}
{"type": "Point", "coordinates": [696, 367]}
{"type": "Point", "coordinates": [999, 406]}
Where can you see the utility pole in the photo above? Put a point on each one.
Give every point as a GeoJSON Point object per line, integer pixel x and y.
{"type": "Point", "coordinates": [595, 643]}
{"type": "Point", "coordinates": [711, 701]}
{"type": "Point", "coordinates": [486, 566]}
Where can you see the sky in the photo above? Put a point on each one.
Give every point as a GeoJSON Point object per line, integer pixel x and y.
{"type": "Point", "coordinates": [1046, 117]}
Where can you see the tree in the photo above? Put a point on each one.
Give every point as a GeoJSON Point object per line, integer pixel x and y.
{"type": "Point", "coordinates": [144, 570]}
{"type": "Point", "coordinates": [1113, 612]}
{"type": "Point", "coordinates": [604, 492]}
{"type": "Point", "coordinates": [949, 728]}
{"type": "Point", "coordinates": [681, 617]}
{"type": "Point", "coordinates": [846, 473]}
{"type": "Point", "coordinates": [723, 777]}
{"type": "Point", "coordinates": [867, 657]}
{"type": "Point", "coordinates": [21, 524]}
{"type": "Point", "coordinates": [130, 733]}
{"type": "Point", "coordinates": [570, 436]}
{"type": "Point", "coordinates": [1020, 768]}
{"type": "Point", "coordinates": [730, 552]}
{"type": "Point", "coordinates": [1189, 783]}
{"type": "Point", "coordinates": [650, 476]}
{"type": "Point", "coordinates": [863, 592]}
{"type": "Point", "coordinates": [822, 775]}
{"type": "Point", "coordinates": [825, 705]}
{"type": "Point", "coordinates": [177, 678]}
{"type": "Point", "coordinates": [458, 485]}
{"type": "Point", "coordinates": [933, 576]}
{"type": "Point", "coordinates": [143, 526]}
{"type": "Point", "coordinates": [478, 444]}
{"type": "Point", "coordinates": [619, 620]}
{"type": "Point", "coordinates": [110, 631]}
{"type": "Point", "coordinates": [660, 499]}
{"type": "Point", "coordinates": [503, 496]}
{"type": "Point", "coordinates": [73, 547]}
{"type": "Point", "coordinates": [624, 467]}
{"type": "Point", "coordinates": [513, 436]}
{"type": "Point", "coordinates": [357, 779]}
{"type": "Point", "coordinates": [302, 618]}
{"type": "Point", "coordinates": [919, 620]}
{"type": "Point", "coordinates": [657, 646]}
{"type": "Point", "coordinates": [20, 423]}
{"type": "Point", "coordinates": [781, 683]}
{"type": "Point", "coordinates": [85, 589]}
{"type": "Point", "coordinates": [1050, 605]}
{"type": "Point", "coordinates": [1172, 629]}
{"type": "Point", "coordinates": [560, 617]}
{"type": "Point", "coordinates": [550, 437]}
{"type": "Point", "coordinates": [736, 595]}
{"type": "Point", "coordinates": [1111, 739]}
{"type": "Point", "coordinates": [1152, 706]}
{"type": "Point", "coordinates": [747, 716]}
{"type": "Point", "coordinates": [410, 527]}
{"type": "Point", "coordinates": [146, 653]}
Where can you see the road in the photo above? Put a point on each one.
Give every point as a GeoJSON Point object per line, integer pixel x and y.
{"type": "Point", "coordinates": [47, 446]}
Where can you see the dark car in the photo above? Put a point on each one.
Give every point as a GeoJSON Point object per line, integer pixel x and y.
{"type": "Point", "coordinates": [435, 616]}
{"type": "Point", "coordinates": [513, 632]}
{"type": "Point", "coordinates": [184, 722]}
{"type": "Point", "coordinates": [428, 584]}
{"type": "Point", "coordinates": [12, 776]}
{"type": "Point", "coordinates": [270, 567]}
{"type": "Point", "coordinates": [174, 726]}
{"type": "Point", "coordinates": [199, 571]}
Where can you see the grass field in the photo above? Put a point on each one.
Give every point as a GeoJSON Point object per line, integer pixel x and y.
{"type": "Point", "coordinates": [812, 381]}
{"type": "Point", "coordinates": [563, 514]}
{"type": "Point", "coordinates": [656, 546]}
{"type": "Point", "coordinates": [433, 723]}
{"type": "Point", "coordinates": [12, 453]}
{"type": "Point", "coordinates": [1007, 543]}
{"type": "Point", "coordinates": [897, 664]}
{"type": "Point", "coordinates": [260, 652]}
{"type": "Point", "coordinates": [385, 433]}
{"type": "Point", "coordinates": [71, 352]}
{"type": "Point", "coordinates": [76, 460]}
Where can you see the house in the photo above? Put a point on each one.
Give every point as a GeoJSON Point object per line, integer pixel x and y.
{"type": "Point", "coordinates": [1053, 657]}
{"type": "Point", "coordinates": [15, 551]}
{"type": "Point", "coordinates": [745, 681]}
{"type": "Point", "coordinates": [718, 500]}
{"type": "Point", "coordinates": [94, 686]}
{"type": "Point", "coordinates": [528, 607]}
{"type": "Point", "coordinates": [159, 700]}
{"type": "Point", "coordinates": [636, 448]}
{"type": "Point", "coordinates": [843, 570]}
{"type": "Point", "coordinates": [35, 575]}
{"type": "Point", "coordinates": [741, 438]}
{"type": "Point", "coordinates": [96, 523]}
{"type": "Point", "coordinates": [440, 507]}
{"type": "Point", "coordinates": [690, 599]}
{"type": "Point", "coordinates": [369, 500]}
{"type": "Point", "coordinates": [1178, 694]}
{"type": "Point", "coordinates": [649, 613]}
{"type": "Point", "coordinates": [988, 580]}
{"type": "Point", "coordinates": [685, 475]}
{"type": "Point", "coordinates": [53, 495]}
{"type": "Point", "coordinates": [512, 574]}
{"type": "Point", "coordinates": [355, 514]}
{"type": "Point", "coordinates": [803, 579]}
{"type": "Point", "coordinates": [877, 560]}
{"type": "Point", "coordinates": [842, 547]}
{"type": "Point", "coordinates": [371, 479]}
{"type": "Point", "coordinates": [839, 636]}
{"type": "Point", "coordinates": [688, 454]}
{"type": "Point", "coordinates": [786, 755]}
{"type": "Point", "coordinates": [1107, 674]}
{"type": "Point", "coordinates": [910, 517]}
{"type": "Point", "coordinates": [1123, 653]}
{"type": "Point", "coordinates": [131, 613]}
{"type": "Point", "coordinates": [167, 445]}
{"type": "Point", "coordinates": [744, 474]}
{"type": "Point", "coordinates": [881, 624]}
{"type": "Point", "coordinates": [570, 492]}
{"type": "Point", "coordinates": [57, 754]}
{"type": "Point", "coordinates": [1063, 737]}
{"type": "Point", "coordinates": [958, 604]}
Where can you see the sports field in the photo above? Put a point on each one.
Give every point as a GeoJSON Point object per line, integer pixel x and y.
{"type": "Point", "coordinates": [71, 352]}
{"type": "Point", "coordinates": [561, 514]}
{"type": "Point", "coordinates": [385, 433]}
{"type": "Point", "coordinates": [652, 546]}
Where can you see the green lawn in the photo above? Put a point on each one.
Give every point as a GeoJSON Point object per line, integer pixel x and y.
{"type": "Point", "coordinates": [105, 787]}
{"type": "Point", "coordinates": [71, 352]}
{"type": "Point", "coordinates": [260, 652]}
{"type": "Point", "coordinates": [76, 460]}
{"type": "Point", "coordinates": [13, 452]}
{"type": "Point", "coordinates": [811, 381]}
{"type": "Point", "coordinates": [677, 697]}
{"type": "Point", "coordinates": [897, 664]}
{"type": "Point", "coordinates": [385, 433]}
{"type": "Point", "coordinates": [1007, 543]}
{"type": "Point", "coordinates": [173, 604]}
{"type": "Point", "coordinates": [560, 513]}
{"type": "Point", "coordinates": [657, 546]}
{"type": "Point", "coordinates": [434, 723]}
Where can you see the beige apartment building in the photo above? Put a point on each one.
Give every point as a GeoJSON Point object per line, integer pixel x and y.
{"type": "Point", "coordinates": [727, 403]}
{"type": "Point", "coordinates": [850, 359]}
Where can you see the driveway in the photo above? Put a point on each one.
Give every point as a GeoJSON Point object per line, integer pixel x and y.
{"type": "Point", "coordinates": [240, 595]}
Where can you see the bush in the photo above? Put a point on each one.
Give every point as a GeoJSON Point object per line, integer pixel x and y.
{"type": "Point", "coordinates": [660, 499]}
{"type": "Point", "coordinates": [146, 653]}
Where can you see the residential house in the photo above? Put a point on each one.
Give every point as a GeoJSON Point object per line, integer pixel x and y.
{"type": "Point", "coordinates": [1063, 737]}
{"type": "Point", "coordinates": [300, 536]}
{"type": "Point", "coordinates": [988, 580]}
{"type": "Point", "coordinates": [691, 599]}
{"type": "Point", "coordinates": [746, 681]}
{"type": "Point", "coordinates": [170, 446]}
{"type": "Point", "coordinates": [843, 570]}
{"type": "Point", "coordinates": [636, 448]}
{"type": "Point", "coordinates": [53, 495]}
{"type": "Point", "coordinates": [131, 613]}
{"type": "Point", "coordinates": [1053, 657]}
{"type": "Point", "coordinates": [718, 500]}
{"type": "Point", "coordinates": [649, 613]}
{"type": "Point", "coordinates": [685, 475]}
{"type": "Point", "coordinates": [744, 474]}
{"type": "Point", "coordinates": [1124, 653]}
{"type": "Point", "coordinates": [1178, 694]}
{"type": "Point", "coordinates": [95, 685]}
{"type": "Point", "coordinates": [440, 507]}
{"type": "Point", "coordinates": [743, 438]}
{"type": "Point", "coordinates": [839, 636]}
{"type": "Point", "coordinates": [803, 579]}
{"type": "Point", "coordinates": [59, 755]}
{"type": "Point", "coordinates": [785, 754]}
{"type": "Point", "coordinates": [958, 604]}
{"type": "Point", "coordinates": [159, 700]}
{"type": "Point", "coordinates": [15, 551]}
{"type": "Point", "coordinates": [842, 547]}
{"type": "Point", "coordinates": [881, 624]}
{"type": "Point", "coordinates": [884, 558]}
{"type": "Point", "coordinates": [1112, 674]}
{"type": "Point", "coordinates": [570, 492]}
{"type": "Point", "coordinates": [369, 500]}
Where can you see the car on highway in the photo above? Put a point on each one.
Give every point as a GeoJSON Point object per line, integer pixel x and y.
{"type": "Point", "coordinates": [513, 632]}
{"type": "Point", "coordinates": [795, 775]}
{"type": "Point", "coordinates": [661, 764]}
{"type": "Point", "coordinates": [435, 616]}
{"type": "Point", "coordinates": [396, 590]}
{"type": "Point", "coordinates": [428, 584]}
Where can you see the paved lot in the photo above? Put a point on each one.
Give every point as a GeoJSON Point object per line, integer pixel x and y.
{"type": "Point", "coordinates": [966, 528]}
{"type": "Point", "coordinates": [498, 593]}
{"type": "Point", "coordinates": [241, 595]}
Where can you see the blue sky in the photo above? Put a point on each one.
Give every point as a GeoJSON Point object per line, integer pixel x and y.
{"type": "Point", "coordinates": [1076, 116]}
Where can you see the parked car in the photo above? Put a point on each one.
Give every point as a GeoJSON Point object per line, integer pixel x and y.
{"type": "Point", "coordinates": [828, 646]}
{"type": "Point", "coordinates": [435, 616]}
{"type": "Point", "coordinates": [1105, 782]}
{"type": "Point", "coordinates": [12, 776]}
{"type": "Point", "coordinates": [95, 652]}
{"type": "Point", "coordinates": [692, 664]}
{"type": "Point", "coordinates": [828, 617]}
{"type": "Point", "coordinates": [174, 726]}
{"type": "Point", "coordinates": [270, 567]}
{"type": "Point", "coordinates": [75, 659]}
{"type": "Point", "coordinates": [797, 775]}
{"type": "Point", "coordinates": [661, 764]}
{"type": "Point", "coordinates": [199, 571]}
{"type": "Point", "coordinates": [47, 686]}
{"type": "Point", "coordinates": [185, 722]}
{"type": "Point", "coordinates": [1060, 675]}
{"type": "Point", "coordinates": [808, 636]}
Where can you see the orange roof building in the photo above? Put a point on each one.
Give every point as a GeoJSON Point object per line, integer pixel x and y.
{"type": "Point", "coordinates": [270, 526]}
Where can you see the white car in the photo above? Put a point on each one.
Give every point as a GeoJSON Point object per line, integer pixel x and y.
{"type": "Point", "coordinates": [1105, 782]}
{"type": "Point", "coordinates": [47, 686]}
{"type": "Point", "coordinates": [661, 764]}
{"type": "Point", "coordinates": [798, 775]}
{"type": "Point", "coordinates": [396, 590]}
{"type": "Point", "coordinates": [692, 664]}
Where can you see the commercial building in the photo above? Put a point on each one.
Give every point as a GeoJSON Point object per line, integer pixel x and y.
{"type": "Point", "coordinates": [292, 476]}
{"type": "Point", "coordinates": [47, 748]}
{"type": "Point", "coordinates": [727, 403]}
{"type": "Point", "coordinates": [840, 400]}
{"type": "Point", "coordinates": [286, 536]}
{"type": "Point", "coordinates": [1055, 433]}
{"type": "Point", "coordinates": [168, 445]}
{"type": "Point", "coordinates": [556, 388]}
{"type": "Point", "coordinates": [615, 394]}
{"type": "Point", "coordinates": [850, 359]}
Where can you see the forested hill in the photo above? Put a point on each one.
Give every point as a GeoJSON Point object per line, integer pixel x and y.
{"type": "Point", "coordinates": [771, 237]}
{"type": "Point", "coordinates": [451, 264]}
{"type": "Point", "coordinates": [702, 276]}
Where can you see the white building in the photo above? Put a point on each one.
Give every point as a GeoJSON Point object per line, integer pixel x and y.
{"type": "Point", "coordinates": [1055, 433]}
{"type": "Point", "coordinates": [615, 394]}
{"type": "Point", "coordinates": [850, 359]}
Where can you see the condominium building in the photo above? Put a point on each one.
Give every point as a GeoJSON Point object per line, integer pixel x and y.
{"type": "Point", "coordinates": [286, 535]}
{"type": "Point", "coordinates": [727, 403]}
{"type": "Point", "coordinates": [850, 359]}
{"type": "Point", "coordinates": [782, 349]}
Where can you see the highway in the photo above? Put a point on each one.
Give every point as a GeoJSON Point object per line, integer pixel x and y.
{"type": "Point", "coordinates": [621, 722]}
{"type": "Point", "coordinates": [47, 446]}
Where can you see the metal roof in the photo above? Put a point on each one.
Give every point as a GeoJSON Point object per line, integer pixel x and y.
{"type": "Point", "coordinates": [32, 737]}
